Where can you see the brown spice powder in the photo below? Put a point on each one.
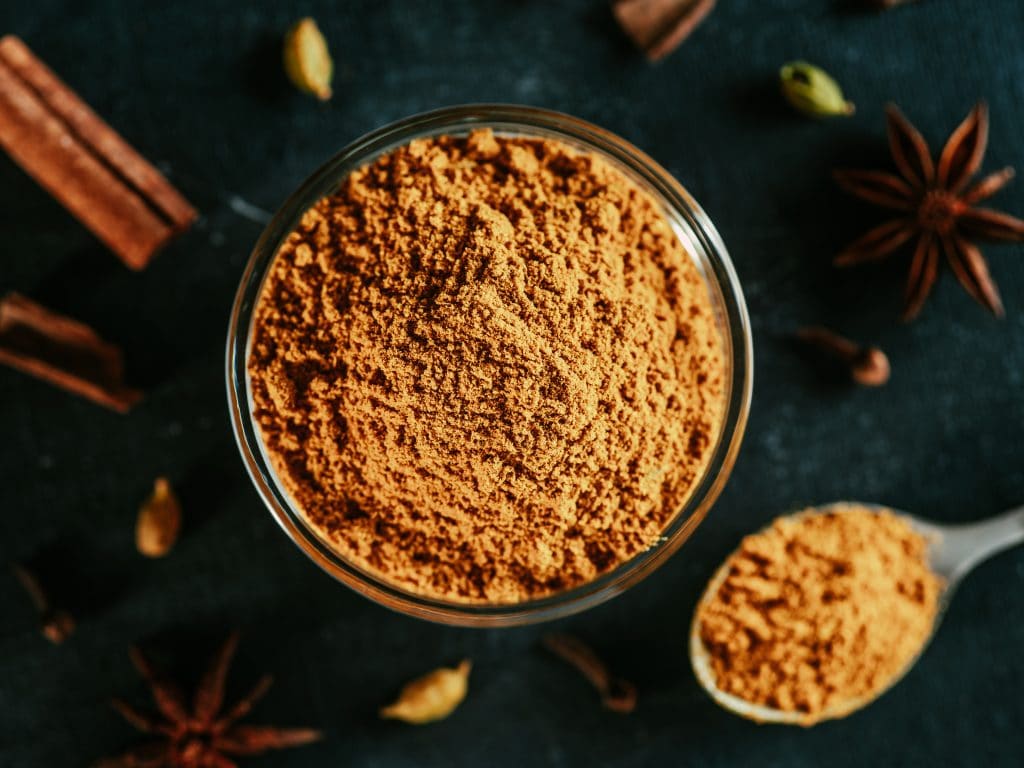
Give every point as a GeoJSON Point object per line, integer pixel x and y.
{"type": "Point", "coordinates": [820, 609]}
{"type": "Point", "coordinates": [486, 369]}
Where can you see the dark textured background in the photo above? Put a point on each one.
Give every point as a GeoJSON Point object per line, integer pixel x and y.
{"type": "Point", "coordinates": [196, 86]}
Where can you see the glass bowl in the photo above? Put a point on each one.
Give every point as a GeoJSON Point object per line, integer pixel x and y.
{"type": "Point", "coordinates": [691, 225]}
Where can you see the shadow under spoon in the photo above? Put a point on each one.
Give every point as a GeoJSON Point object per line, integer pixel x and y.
{"type": "Point", "coordinates": [954, 550]}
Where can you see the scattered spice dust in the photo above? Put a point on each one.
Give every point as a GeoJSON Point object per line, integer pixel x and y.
{"type": "Point", "coordinates": [820, 609]}
{"type": "Point", "coordinates": [486, 369]}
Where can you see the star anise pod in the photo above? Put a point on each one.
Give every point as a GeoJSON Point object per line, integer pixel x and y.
{"type": "Point", "coordinates": [937, 209]}
{"type": "Point", "coordinates": [205, 735]}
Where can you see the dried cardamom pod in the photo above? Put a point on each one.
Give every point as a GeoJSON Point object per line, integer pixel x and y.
{"type": "Point", "coordinates": [159, 521]}
{"type": "Point", "coordinates": [307, 62]}
{"type": "Point", "coordinates": [431, 697]}
{"type": "Point", "coordinates": [813, 91]}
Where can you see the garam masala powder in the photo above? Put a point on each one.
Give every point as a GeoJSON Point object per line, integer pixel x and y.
{"type": "Point", "coordinates": [486, 369]}
{"type": "Point", "coordinates": [820, 609]}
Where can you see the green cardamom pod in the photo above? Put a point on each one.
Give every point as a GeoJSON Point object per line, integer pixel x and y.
{"type": "Point", "coordinates": [812, 91]}
{"type": "Point", "coordinates": [307, 62]}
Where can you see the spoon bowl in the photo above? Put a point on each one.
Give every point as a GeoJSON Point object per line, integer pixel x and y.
{"type": "Point", "coordinates": [953, 551]}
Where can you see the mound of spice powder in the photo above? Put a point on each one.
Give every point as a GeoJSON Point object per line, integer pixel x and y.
{"type": "Point", "coordinates": [486, 369]}
{"type": "Point", "coordinates": [821, 609]}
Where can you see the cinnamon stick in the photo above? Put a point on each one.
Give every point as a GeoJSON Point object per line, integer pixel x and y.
{"type": "Point", "coordinates": [659, 26]}
{"type": "Point", "coordinates": [64, 352]}
{"type": "Point", "coordinates": [66, 147]}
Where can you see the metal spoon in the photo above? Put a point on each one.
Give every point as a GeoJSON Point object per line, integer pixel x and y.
{"type": "Point", "coordinates": [954, 550]}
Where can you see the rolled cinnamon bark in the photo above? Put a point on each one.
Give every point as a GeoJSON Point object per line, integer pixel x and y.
{"type": "Point", "coordinates": [659, 26]}
{"type": "Point", "coordinates": [64, 352]}
{"type": "Point", "coordinates": [59, 141]}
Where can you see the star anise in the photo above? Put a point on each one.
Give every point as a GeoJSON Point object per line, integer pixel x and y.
{"type": "Point", "coordinates": [203, 736]}
{"type": "Point", "coordinates": [937, 208]}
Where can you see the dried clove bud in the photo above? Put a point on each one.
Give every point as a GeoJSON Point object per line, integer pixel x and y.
{"type": "Point", "coordinates": [56, 625]}
{"type": "Point", "coordinates": [307, 62]}
{"type": "Point", "coordinates": [884, 4]}
{"type": "Point", "coordinates": [812, 91]}
{"type": "Point", "coordinates": [431, 697]}
{"type": "Point", "coordinates": [159, 521]}
{"type": "Point", "coordinates": [617, 694]}
{"type": "Point", "coordinates": [869, 366]}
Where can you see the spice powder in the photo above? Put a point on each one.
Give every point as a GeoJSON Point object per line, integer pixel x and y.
{"type": "Point", "coordinates": [821, 609]}
{"type": "Point", "coordinates": [486, 369]}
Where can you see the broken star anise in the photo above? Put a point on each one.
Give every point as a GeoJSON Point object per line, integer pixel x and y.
{"type": "Point", "coordinates": [203, 736]}
{"type": "Point", "coordinates": [937, 208]}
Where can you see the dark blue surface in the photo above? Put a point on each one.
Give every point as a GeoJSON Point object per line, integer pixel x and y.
{"type": "Point", "coordinates": [196, 86]}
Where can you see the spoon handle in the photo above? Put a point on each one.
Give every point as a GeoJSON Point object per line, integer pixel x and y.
{"type": "Point", "coordinates": [964, 546]}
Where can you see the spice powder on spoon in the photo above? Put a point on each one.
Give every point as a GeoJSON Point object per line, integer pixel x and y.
{"type": "Point", "coordinates": [486, 369]}
{"type": "Point", "coordinates": [820, 609]}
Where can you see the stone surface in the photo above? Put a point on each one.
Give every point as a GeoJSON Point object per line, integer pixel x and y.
{"type": "Point", "coordinates": [198, 88]}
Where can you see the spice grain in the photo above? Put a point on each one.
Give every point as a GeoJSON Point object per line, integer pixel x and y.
{"type": "Point", "coordinates": [486, 369]}
{"type": "Point", "coordinates": [820, 609]}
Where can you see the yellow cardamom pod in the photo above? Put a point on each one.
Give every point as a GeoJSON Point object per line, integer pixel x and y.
{"type": "Point", "coordinates": [813, 91]}
{"type": "Point", "coordinates": [159, 520]}
{"type": "Point", "coordinates": [307, 62]}
{"type": "Point", "coordinates": [431, 697]}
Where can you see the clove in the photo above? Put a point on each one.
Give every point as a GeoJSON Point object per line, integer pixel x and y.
{"type": "Point", "coordinates": [617, 694]}
{"type": "Point", "coordinates": [56, 625]}
{"type": "Point", "coordinates": [868, 366]}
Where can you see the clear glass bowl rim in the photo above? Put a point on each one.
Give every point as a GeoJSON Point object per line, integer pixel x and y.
{"type": "Point", "coordinates": [718, 268]}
